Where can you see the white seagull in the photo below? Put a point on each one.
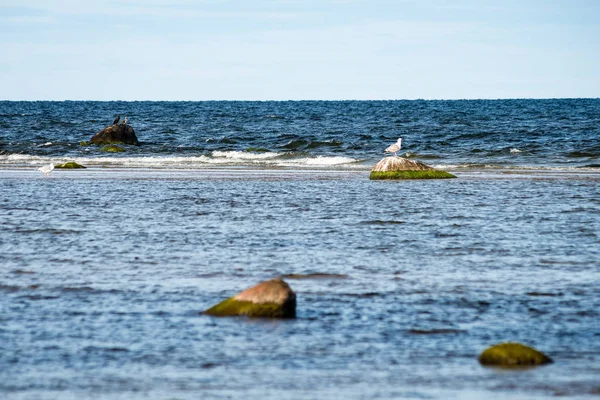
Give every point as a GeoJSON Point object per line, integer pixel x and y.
{"type": "Point", "coordinates": [395, 147]}
{"type": "Point", "coordinates": [46, 169]}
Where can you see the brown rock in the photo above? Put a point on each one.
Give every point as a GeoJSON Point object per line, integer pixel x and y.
{"type": "Point", "coordinates": [269, 299]}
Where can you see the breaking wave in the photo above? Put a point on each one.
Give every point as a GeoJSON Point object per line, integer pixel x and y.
{"type": "Point", "coordinates": [215, 159]}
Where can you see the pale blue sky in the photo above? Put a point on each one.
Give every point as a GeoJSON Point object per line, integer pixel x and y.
{"type": "Point", "coordinates": [294, 50]}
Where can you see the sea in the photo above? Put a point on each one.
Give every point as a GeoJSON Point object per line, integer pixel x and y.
{"type": "Point", "coordinates": [105, 271]}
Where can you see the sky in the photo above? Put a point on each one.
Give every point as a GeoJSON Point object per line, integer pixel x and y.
{"type": "Point", "coordinates": [298, 50]}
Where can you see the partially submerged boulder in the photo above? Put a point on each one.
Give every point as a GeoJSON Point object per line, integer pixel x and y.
{"type": "Point", "coordinates": [269, 299]}
{"type": "Point", "coordinates": [115, 134]}
{"type": "Point", "coordinates": [513, 355]}
{"type": "Point", "coordinates": [69, 165]}
{"type": "Point", "coordinates": [112, 148]}
{"type": "Point", "coordinates": [402, 168]}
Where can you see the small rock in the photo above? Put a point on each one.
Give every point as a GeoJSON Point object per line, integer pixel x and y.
{"type": "Point", "coordinates": [269, 299]}
{"type": "Point", "coordinates": [69, 165]}
{"type": "Point", "coordinates": [513, 355]}
{"type": "Point", "coordinates": [112, 148]}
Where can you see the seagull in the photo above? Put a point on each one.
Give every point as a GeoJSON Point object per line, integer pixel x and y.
{"type": "Point", "coordinates": [395, 147]}
{"type": "Point", "coordinates": [124, 122]}
{"type": "Point", "coordinates": [46, 169]}
{"type": "Point", "coordinates": [116, 121]}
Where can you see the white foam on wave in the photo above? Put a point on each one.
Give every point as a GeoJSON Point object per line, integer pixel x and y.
{"type": "Point", "coordinates": [216, 159]}
{"type": "Point", "coordinates": [320, 160]}
{"type": "Point", "coordinates": [516, 151]}
{"type": "Point", "coordinates": [244, 155]}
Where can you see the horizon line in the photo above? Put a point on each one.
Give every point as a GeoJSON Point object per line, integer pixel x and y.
{"type": "Point", "coordinates": [310, 100]}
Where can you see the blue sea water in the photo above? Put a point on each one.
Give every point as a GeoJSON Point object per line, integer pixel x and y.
{"type": "Point", "coordinates": [104, 272]}
{"type": "Point", "coordinates": [313, 134]}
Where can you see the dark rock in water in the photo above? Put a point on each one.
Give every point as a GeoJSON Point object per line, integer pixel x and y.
{"type": "Point", "coordinates": [513, 355]}
{"type": "Point", "coordinates": [269, 299]}
{"type": "Point", "coordinates": [69, 165]}
{"type": "Point", "coordinates": [112, 148]}
{"type": "Point", "coordinates": [402, 168]}
{"type": "Point", "coordinates": [115, 134]}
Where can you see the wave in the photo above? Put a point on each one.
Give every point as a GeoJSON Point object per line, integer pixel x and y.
{"type": "Point", "coordinates": [261, 160]}
{"type": "Point", "coordinates": [214, 159]}
{"type": "Point", "coordinates": [500, 167]}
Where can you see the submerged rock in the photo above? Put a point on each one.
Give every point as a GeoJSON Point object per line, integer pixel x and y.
{"type": "Point", "coordinates": [69, 165]}
{"type": "Point", "coordinates": [402, 168]}
{"type": "Point", "coordinates": [269, 299]}
{"type": "Point", "coordinates": [112, 148]}
{"type": "Point", "coordinates": [513, 355]}
{"type": "Point", "coordinates": [115, 134]}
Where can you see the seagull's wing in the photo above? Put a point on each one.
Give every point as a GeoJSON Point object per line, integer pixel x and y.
{"type": "Point", "coordinates": [392, 148]}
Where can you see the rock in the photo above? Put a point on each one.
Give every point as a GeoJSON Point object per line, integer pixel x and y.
{"type": "Point", "coordinates": [69, 165]}
{"type": "Point", "coordinates": [513, 355]}
{"type": "Point", "coordinates": [112, 148]}
{"type": "Point", "coordinates": [402, 168]}
{"type": "Point", "coordinates": [115, 134]}
{"type": "Point", "coordinates": [269, 299]}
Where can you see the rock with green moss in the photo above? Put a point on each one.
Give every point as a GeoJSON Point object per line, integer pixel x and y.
{"type": "Point", "coordinates": [112, 148]}
{"type": "Point", "coordinates": [269, 299]}
{"type": "Point", "coordinates": [513, 355]}
{"type": "Point", "coordinates": [69, 165]}
{"type": "Point", "coordinates": [436, 174]}
{"type": "Point", "coordinates": [115, 134]}
{"type": "Point", "coordinates": [401, 168]}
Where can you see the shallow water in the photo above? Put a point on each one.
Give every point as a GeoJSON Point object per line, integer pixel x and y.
{"type": "Point", "coordinates": [104, 273]}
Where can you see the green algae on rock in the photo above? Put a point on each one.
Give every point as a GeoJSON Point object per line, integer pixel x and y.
{"type": "Point", "coordinates": [269, 299]}
{"type": "Point", "coordinates": [112, 148]}
{"type": "Point", "coordinates": [513, 355]}
{"type": "Point", "coordinates": [432, 174]}
{"type": "Point", "coordinates": [69, 165]}
{"type": "Point", "coordinates": [401, 168]}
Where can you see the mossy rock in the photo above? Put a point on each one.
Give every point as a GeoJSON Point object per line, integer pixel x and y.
{"type": "Point", "coordinates": [112, 148]}
{"type": "Point", "coordinates": [69, 165]}
{"type": "Point", "coordinates": [513, 355]}
{"type": "Point", "coordinates": [233, 307]}
{"type": "Point", "coordinates": [426, 174]}
{"type": "Point", "coordinates": [84, 143]}
{"type": "Point", "coordinates": [402, 168]}
{"type": "Point", "coordinates": [269, 299]}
